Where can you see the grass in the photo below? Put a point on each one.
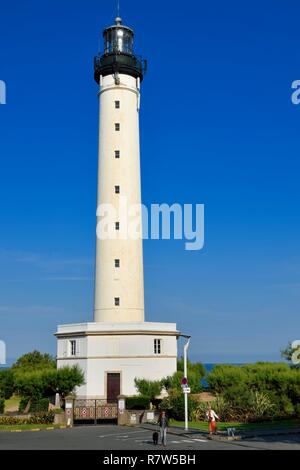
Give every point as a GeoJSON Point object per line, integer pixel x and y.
{"type": "Point", "coordinates": [222, 426]}
{"type": "Point", "coordinates": [26, 427]}
{"type": "Point", "coordinates": [12, 402]}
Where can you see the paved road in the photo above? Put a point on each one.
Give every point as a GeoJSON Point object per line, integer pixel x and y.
{"type": "Point", "coordinates": [108, 437]}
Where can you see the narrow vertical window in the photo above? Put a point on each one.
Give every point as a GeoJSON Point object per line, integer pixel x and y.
{"type": "Point", "coordinates": [157, 346]}
{"type": "Point", "coordinates": [117, 126]}
{"type": "Point", "coordinates": [117, 153]}
{"type": "Point", "coordinates": [117, 189]}
{"type": "Point", "coordinates": [117, 301]}
{"type": "Point", "coordinates": [117, 104]}
{"type": "Point", "coordinates": [117, 263]}
{"type": "Point", "coordinates": [117, 225]}
{"type": "Point", "coordinates": [72, 348]}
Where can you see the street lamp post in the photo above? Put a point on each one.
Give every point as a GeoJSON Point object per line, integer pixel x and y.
{"type": "Point", "coordinates": [186, 414]}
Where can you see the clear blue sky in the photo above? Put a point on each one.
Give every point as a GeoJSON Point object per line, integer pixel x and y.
{"type": "Point", "coordinates": [217, 127]}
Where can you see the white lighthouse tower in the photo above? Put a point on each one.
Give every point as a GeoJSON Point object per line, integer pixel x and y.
{"type": "Point", "coordinates": [119, 289]}
{"type": "Point", "coordinates": [119, 345]}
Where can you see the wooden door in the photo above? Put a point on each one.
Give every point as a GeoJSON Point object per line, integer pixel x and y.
{"type": "Point", "coordinates": [113, 387]}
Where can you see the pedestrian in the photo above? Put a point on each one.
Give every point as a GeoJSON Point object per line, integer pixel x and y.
{"type": "Point", "coordinates": [212, 416]}
{"type": "Point", "coordinates": [164, 424]}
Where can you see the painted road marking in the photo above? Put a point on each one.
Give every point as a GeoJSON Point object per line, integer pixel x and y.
{"type": "Point", "coordinates": [122, 434]}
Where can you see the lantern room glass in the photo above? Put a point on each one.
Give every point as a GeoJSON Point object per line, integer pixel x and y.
{"type": "Point", "coordinates": [118, 40]}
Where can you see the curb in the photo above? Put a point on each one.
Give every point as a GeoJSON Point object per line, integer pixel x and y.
{"type": "Point", "coordinates": [226, 438]}
{"type": "Point", "coordinates": [52, 428]}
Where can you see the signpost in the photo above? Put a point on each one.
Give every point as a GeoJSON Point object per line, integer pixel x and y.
{"type": "Point", "coordinates": [185, 388]}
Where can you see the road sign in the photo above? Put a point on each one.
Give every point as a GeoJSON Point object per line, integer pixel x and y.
{"type": "Point", "coordinates": [184, 381]}
{"type": "Point", "coordinates": [186, 390]}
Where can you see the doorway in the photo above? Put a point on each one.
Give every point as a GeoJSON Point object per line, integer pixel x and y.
{"type": "Point", "coordinates": [113, 386]}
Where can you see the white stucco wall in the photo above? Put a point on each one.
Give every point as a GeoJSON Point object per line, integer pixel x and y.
{"type": "Point", "coordinates": [125, 282]}
{"type": "Point", "coordinates": [130, 353]}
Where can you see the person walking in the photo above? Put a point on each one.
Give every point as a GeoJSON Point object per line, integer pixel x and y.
{"type": "Point", "coordinates": [164, 424]}
{"type": "Point", "coordinates": [212, 416]}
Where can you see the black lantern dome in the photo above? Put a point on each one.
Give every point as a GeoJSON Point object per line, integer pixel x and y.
{"type": "Point", "coordinates": [118, 56]}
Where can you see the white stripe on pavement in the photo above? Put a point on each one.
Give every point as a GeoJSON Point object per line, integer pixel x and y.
{"type": "Point", "coordinates": [122, 434]}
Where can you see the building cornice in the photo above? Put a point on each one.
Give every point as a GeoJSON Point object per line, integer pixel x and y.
{"type": "Point", "coordinates": [80, 334]}
{"type": "Point", "coordinates": [152, 356]}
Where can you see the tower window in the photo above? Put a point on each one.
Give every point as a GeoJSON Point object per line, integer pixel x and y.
{"type": "Point", "coordinates": [157, 346]}
{"type": "Point", "coordinates": [117, 225]}
{"type": "Point", "coordinates": [117, 263]}
{"type": "Point", "coordinates": [117, 189]}
{"type": "Point", "coordinates": [117, 153]}
{"type": "Point", "coordinates": [117, 301]}
{"type": "Point", "coordinates": [117, 104]}
{"type": "Point", "coordinates": [72, 348]}
{"type": "Point", "coordinates": [117, 126]}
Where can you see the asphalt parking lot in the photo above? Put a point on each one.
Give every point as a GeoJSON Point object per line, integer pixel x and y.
{"type": "Point", "coordinates": [110, 437]}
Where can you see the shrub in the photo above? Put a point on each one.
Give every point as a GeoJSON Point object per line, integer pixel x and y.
{"type": "Point", "coordinates": [33, 361]}
{"type": "Point", "coordinates": [39, 406]}
{"type": "Point", "coordinates": [174, 405]}
{"type": "Point", "coordinates": [6, 383]}
{"type": "Point", "coordinates": [258, 391]}
{"type": "Point", "coordinates": [174, 381]}
{"type": "Point", "coordinates": [43, 383]}
{"type": "Point", "coordinates": [297, 410]}
{"type": "Point", "coordinates": [261, 406]}
{"type": "Point", "coordinates": [23, 403]}
{"type": "Point", "coordinates": [220, 406]}
{"type": "Point", "coordinates": [2, 405]}
{"type": "Point", "coordinates": [199, 413]}
{"type": "Point", "coordinates": [138, 402]}
{"type": "Point", "coordinates": [41, 418]}
{"type": "Point", "coordinates": [196, 372]}
{"type": "Point", "coordinates": [67, 378]}
{"type": "Point", "coordinates": [148, 388]}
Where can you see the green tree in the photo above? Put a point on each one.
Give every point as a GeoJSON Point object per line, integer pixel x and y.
{"type": "Point", "coordinates": [272, 387]}
{"type": "Point", "coordinates": [6, 383]}
{"type": "Point", "coordinates": [196, 367]}
{"type": "Point", "coordinates": [148, 388]}
{"type": "Point", "coordinates": [43, 383]}
{"type": "Point", "coordinates": [67, 378]}
{"type": "Point", "coordinates": [33, 361]}
{"type": "Point", "coordinates": [195, 372]}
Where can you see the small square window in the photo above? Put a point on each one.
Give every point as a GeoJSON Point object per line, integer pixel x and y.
{"type": "Point", "coordinates": [117, 153]}
{"type": "Point", "coordinates": [117, 104]}
{"type": "Point", "coordinates": [157, 346]}
{"type": "Point", "coordinates": [117, 189]}
{"type": "Point", "coordinates": [117, 301]}
{"type": "Point", "coordinates": [72, 348]}
{"type": "Point", "coordinates": [117, 263]}
{"type": "Point", "coordinates": [117, 225]}
{"type": "Point", "coordinates": [117, 126]}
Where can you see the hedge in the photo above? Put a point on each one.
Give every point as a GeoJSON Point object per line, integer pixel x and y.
{"type": "Point", "coordinates": [138, 402]}
{"type": "Point", "coordinates": [275, 383]}
{"type": "Point", "coordinates": [173, 404]}
{"type": "Point", "coordinates": [40, 418]}
{"type": "Point", "coordinates": [2, 405]}
{"type": "Point", "coordinates": [39, 406]}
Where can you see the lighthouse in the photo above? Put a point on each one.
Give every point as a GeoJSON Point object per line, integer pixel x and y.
{"type": "Point", "coordinates": [119, 285]}
{"type": "Point", "coordinates": [118, 345]}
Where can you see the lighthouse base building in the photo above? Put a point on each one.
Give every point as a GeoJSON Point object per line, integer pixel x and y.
{"type": "Point", "coordinates": [112, 355]}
